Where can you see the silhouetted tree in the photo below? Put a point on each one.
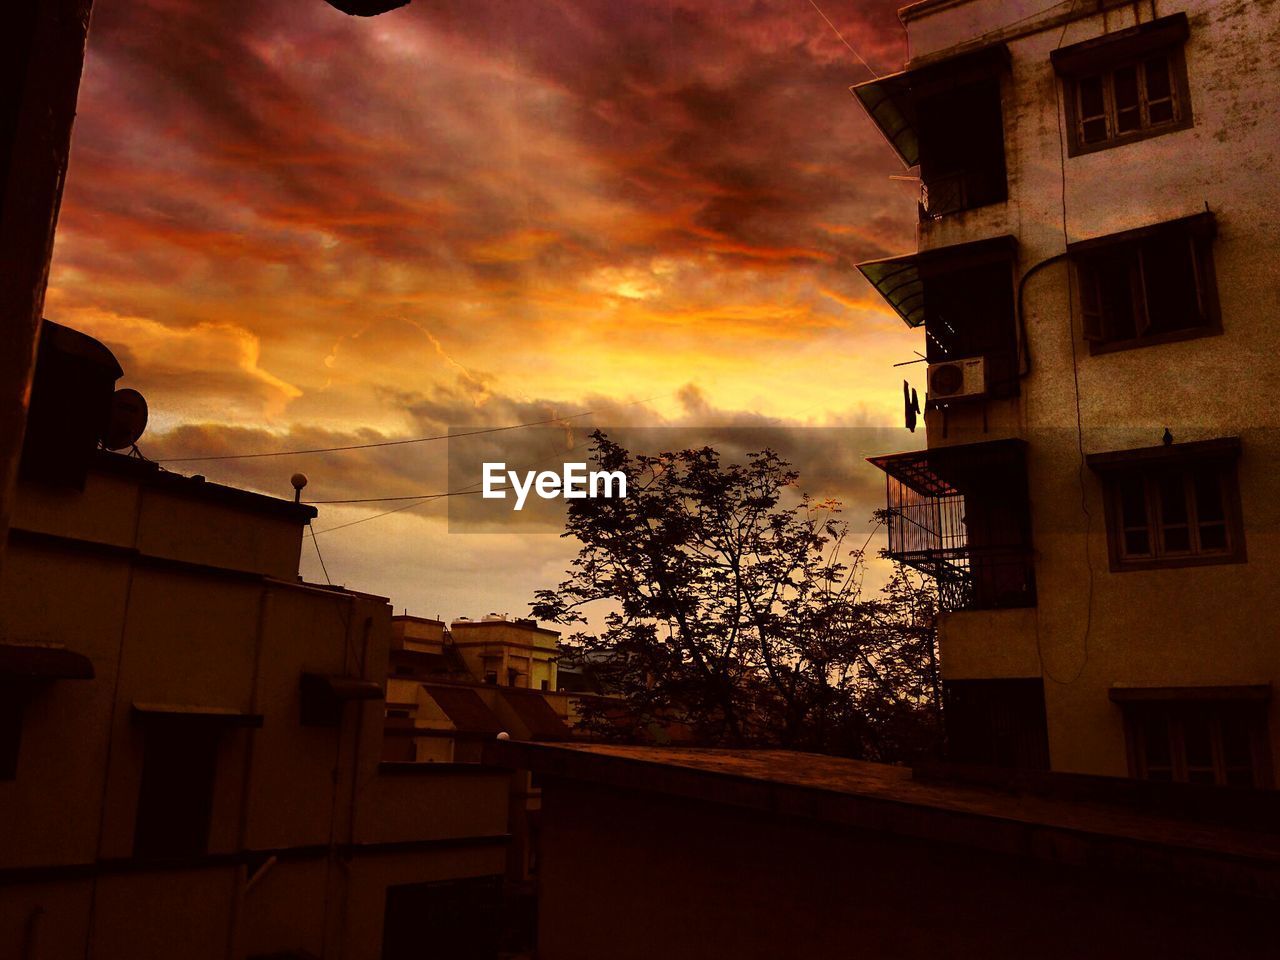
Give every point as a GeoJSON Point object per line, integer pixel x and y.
{"type": "Point", "coordinates": [733, 609]}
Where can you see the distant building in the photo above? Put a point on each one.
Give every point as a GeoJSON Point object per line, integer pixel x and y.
{"type": "Point", "coordinates": [452, 689]}
{"type": "Point", "coordinates": [191, 737]}
{"type": "Point", "coordinates": [511, 653]}
{"type": "Point", "coordinates": [1097, 264]}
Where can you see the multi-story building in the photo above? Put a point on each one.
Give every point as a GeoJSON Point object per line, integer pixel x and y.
{"type": "Point", "coordinates": [452, 689]}
{"type": "Point", "coordinates": [191, 737]}
{"type": "Point", "coordinates": [1096, 279]}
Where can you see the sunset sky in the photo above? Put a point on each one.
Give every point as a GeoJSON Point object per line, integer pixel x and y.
{"type": "Point", "coordinates": [300, 229]}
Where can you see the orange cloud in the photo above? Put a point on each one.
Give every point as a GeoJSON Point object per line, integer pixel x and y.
{"type": "Point", "coordinates": [290, 223]}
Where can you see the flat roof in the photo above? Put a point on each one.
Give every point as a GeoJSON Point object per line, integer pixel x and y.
{"type": "Point", "coordinates": [998, 816]}
{"type": "Point", "coordinates": [151, 474]}
{"type": "Point", "coordinates": [530, 626]}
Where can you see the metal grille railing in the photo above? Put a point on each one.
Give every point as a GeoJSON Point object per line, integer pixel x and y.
{"type": "Point", "coordinates": [929, 532]}
{"type": "Point", "coordinates": [943, 195]}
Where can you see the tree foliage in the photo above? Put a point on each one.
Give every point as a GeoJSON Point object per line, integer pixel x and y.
{"type": "Point", "coordinates": [733, 608]}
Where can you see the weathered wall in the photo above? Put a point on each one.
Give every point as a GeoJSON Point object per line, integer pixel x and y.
{"type": "Point", "coordinates": [1093, 628]}
{"type": "Point", "coordinates": [221, 635]}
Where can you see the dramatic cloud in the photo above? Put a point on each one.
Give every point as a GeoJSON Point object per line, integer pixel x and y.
{"type": "Point", "coordinates": [301, 229]}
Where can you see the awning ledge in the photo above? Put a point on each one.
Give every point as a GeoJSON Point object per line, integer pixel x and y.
{"type": "Point", "coordinates": [900, 280]}
{"type": "Point", "coordinates": [43, 661]}
{"type": "Point", "coordinates": [195, 713]}
{"type": "Point", "coordinates": [891, 101]}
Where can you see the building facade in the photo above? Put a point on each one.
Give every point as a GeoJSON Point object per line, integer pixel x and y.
{"type": "Point", "coordinates": [191, 737]}
{"type": "Point", "coordinates": [1096, 278]}
{"type": "Point", "coordinates": [452, 689]}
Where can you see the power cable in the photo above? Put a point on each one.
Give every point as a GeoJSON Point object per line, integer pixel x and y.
{"type": "Point", "coordinates": [319, 555]}
{"type": "Point", "coordinates": [380, 443]}
{"type": "Point", "coordinates": [397, 443]}
{"type": "Point", "coordinates": [468, 490]}
{"type": "Point", "coordinates": [861, 60]}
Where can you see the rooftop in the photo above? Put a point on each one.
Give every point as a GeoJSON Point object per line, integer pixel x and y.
{"type": "Point", "coordinates": [1070, 820]}
{"type": "Point", "coordinates": [150, 474]}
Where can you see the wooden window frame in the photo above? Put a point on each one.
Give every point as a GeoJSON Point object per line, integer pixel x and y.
{"type": "Point", "coordinates": [1149, 463]}
{"type": "Point", "coordinates": [1199, 231]}
{"type": "Point", "coordinates": [1105, 56]}
{"type": "Point", "coordinates": [1173, 714]}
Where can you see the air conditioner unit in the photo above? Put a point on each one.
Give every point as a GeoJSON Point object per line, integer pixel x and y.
{"type": "Point", "coordinates": [957, 379]}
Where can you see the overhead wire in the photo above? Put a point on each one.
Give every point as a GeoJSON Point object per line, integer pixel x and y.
{"type": "Point", "coordinates": [861, 59]}
{"type": "Point", "coordinates": [469, 490]}
{"type": "Point", "coordinates": [319, 555]}
{"type": "Point", "coordinates": [384, 443]}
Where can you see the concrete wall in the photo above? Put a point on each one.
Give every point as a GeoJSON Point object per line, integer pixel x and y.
{"type": "Point", "coordinates": [224, 634]}
{"type": "Point", "coordinates": [631, 875]}
{"type": "Point", "coordinates": [1094, 628]}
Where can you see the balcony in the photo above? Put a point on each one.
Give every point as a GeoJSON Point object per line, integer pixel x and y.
{"type": "Point", "coordinates": [947, 117]}
{"type": "Point", "coordinates": [960, 515]}
{"type": "Point", "coordinates": [963, 296]}
{"type": "Point", "coordinates": [943, 194]}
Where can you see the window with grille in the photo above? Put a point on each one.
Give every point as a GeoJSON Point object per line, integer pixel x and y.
{"type": "Point", "coordinates": [1127, 86]}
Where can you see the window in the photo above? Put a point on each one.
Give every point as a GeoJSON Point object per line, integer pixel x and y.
{"type": "Point", "coordinates": [1173, 506]}
{"type": "Point", "coordinates": [996, 723]}
{"type": "Point", "coordinates": [963, 295]}
{"type": "Point", "coordinates": [1220, 743]}
{"type": "Point", "coordinates": [176, 796]}
{"type": "Point", "coordinates": [1126, 86]}
{"type": "Point", "coordinates": [456, 919]}
{"type": "Point", "coordinates": [13, 699]}
{"type": "Point", "coordinates": [1127, 103]}
{"type": "Point", "coordinates": [1148, 286]}
{"type": "Point", "coordinates": [24, 669]}
{"type": "Point", "coordinates": [962, 162]}
{"type": "Point", "coordinates": [969, 313]}
{"type": "Point", "coordinates": [947, 118]}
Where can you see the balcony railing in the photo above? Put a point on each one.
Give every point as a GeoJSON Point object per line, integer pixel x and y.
{"type": "Point", "coordinates": [959, 515]}
{"type": "Point", "coordinates": [942, 195]}
{"type": "Point", "coordinates": [948, 193]}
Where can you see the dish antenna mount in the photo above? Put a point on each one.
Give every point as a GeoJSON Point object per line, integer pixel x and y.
{"type": "Point", "coordinates": [127, 420]}
{"type": "Point", "coordinates": [366, 8]}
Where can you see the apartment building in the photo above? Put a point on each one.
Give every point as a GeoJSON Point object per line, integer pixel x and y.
{"type": "Point", "coordinates": [452, 687]}
{"type": "Point", "coordinates": [1096, 279]}
{"type": "Point", "coordinates": [191, 736]}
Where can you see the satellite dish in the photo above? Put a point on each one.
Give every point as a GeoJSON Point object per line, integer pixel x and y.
{"type": "Point", "coordinates": [127, 421]}
{"type": "Point", "coordinates": [367, 8]}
